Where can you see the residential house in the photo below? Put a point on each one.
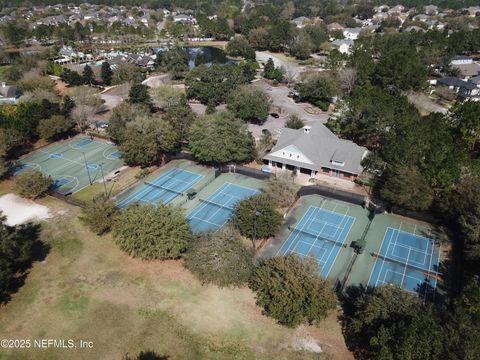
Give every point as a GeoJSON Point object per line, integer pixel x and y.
{"type": "Point", "coordinates": [461, 60]}
{"type": "Point", "coordinates": [342, 45]}
{"type": "Point", "coordinates": [9, 94]}
{"type": "Point", "coordinates": [473, 10]}
{"type": "Point", "coordinates": [300, 22]}
{"type": "Point", "coordinates": [184, 19]}
{"type": "Point", "coordinates": [335, 26]}
{"type": "Point", "coordinates": [396, 10]}
{"type": "Point", "coordinates": [316, 151]}
{"type": "Point", "coordinates": [431, 10]}
{"type": "Point", "coordinates": [466, 90]}
{"type": "Point", "coordinates": [421, 17]}
{"type": "Point", "coordinates": [352, 33]}
{"type": "Point", "coordinates": [414, 28]}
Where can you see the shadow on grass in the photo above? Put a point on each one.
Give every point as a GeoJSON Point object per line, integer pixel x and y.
{"type": "Point", "coordinates": [20, 247]}
{"type": "Point", "coordinates": [146, 355]}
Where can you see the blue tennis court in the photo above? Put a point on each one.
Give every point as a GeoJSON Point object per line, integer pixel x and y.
{"type": "Point", "coordinates": [163, 189]}
{"type": "Point", "coordinates": [320, 234]}
{"type": "Point", "coordinates": [406, 260]}
{"type": "Point", "coordinates": [217, 209]}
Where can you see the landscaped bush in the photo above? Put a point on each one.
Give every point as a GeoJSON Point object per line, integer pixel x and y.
{"type": "Point", "coordinates": [292, 291]}
{"type": "Point", "coordinates": [32, 184]}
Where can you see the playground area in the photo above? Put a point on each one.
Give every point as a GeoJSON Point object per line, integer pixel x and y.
{"type": "Point", "coordinates": [73, 164]}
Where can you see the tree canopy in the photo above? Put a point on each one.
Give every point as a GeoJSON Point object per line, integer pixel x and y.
{"type": "Point", "coordinates": [150, 232]}
{"type": "Point", "coordinates": [249, 104]}
{"type": "Point", "coordinates": [256, 217]}
{"type": "Point", "coordinates": [99, 214]}
{"type": "Point", "coordinates": [221, 138]}
{"type": "Point", "coordinates": [32, 184]}
{"type": "Point", "coordinates": [292, 291]}
{"type": "Point", "coordinates": [220, 258]}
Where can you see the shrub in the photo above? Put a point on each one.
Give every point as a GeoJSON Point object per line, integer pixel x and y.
{"type": "Point", "coordinates": [99, 214]}
{"type": "Point", "coordinates": [292, 291]}
{"type": "Point", "coordinates": [220, 258]}
{"type": "Point", "coordinates": [150, 232]}
{"type": "Point", "coordinates": [32, 184]}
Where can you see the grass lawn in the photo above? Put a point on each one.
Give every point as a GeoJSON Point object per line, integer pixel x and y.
{"type": "Point", "coordinates": [88, 289]}
{"type": "Point", "coordinates": [126, 179]}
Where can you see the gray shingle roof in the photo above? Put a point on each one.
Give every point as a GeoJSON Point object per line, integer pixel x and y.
{"type": "Point", "coordinates": [322, 147]}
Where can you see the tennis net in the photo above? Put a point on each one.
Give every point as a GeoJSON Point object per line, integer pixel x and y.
{"type": "Point", "coordinates": [163, 188]}
{"type": "Point", "coordinates": [224, 206]}
{"type": "Point", "coordinates": [318, 236]}
{"type": "Point", "coordinates": [429, 273]}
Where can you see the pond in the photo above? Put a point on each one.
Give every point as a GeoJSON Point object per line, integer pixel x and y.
{"type": "Point", "coordinates": [204, 55]}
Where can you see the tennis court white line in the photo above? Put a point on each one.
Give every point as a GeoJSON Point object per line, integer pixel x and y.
{"type": "Point", "coordinates": [146, 190]}
{"type": "Point", "coordinates": [204, 205]}
{"type": "Point", "coordinates": [294, 240]}
{"type": "Point", "coordinates": [383, 261]}
{"type": "Point", "coordinates": [336, 256]}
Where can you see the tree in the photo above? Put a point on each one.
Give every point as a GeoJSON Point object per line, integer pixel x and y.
{"type": "Point", "coordinates": [220, 138]}
{"type": "Point", "coordinates": [407, 188]}
{"type": "Point", "coordinates": [125, 73]}
{"type": "Point", "coordinates": [249, 104]}
{"type": "Point", "coordinates": [294, 122]}
{"type": "Point", "coordinates": [399, 67]}
{"type": "Point", "coordinates": [256, 217]}
{"type": "Point", "coordinates": [240, 47]}
{"type": "Point", "coordinates": [106, 73]}
{"type": "Point", "coordinates": [87, 75]}
{"type": "Point", "coordinates": [17, 245]}
{"type": "Point", "coordinates": [99, 214]}
{"type": "Point", "coordinates": [181, 117]}
{"type": "Point", "coordinates": [32, 184]}
{"type": "Point", "coordinates": [139, 94]}
{"type": "Point", "coordinates": [54, 127]}
{"type": "Point", "coordinates": [465, 117]}
{"type": "Point", "coordinates": [292, 291]}
{"type": "Point", "coordinates": [220, 258]}
{"type": "Point", "coordinates": [301, 46]}
{"type": "Point", "coordinates": [389, 323]}
{"type": "Point", "coordinates": [123, 114]}
{"type": "Point", "coordinates": [150, 232]}
{"type": "Point", "coordinates": [147, 140]}
{"type": "Point", "coordinates": [72, 78]}
{"type": "Point", "coordinates": [31, 83]}
{"type": "Point", "coordinates": [214, 83]}
{"type": "Point", "coordinates": [281, 191]}
{"type": "Point", "coordinates": [167, 96]}
{"type": "Point", "coordinates": [317, 90]}
{"type": "Point", "coordinates": [271, 72]}
{"type": "Point", "coordinates": [173, 61]}
{"type": "Point", "coordinates": [347, 78]}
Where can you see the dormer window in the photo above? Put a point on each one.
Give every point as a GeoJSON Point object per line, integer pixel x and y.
{"type": "Point", "coordinates": [338, 163]}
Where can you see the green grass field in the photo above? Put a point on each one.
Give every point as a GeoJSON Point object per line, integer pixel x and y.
{"type": "Point", "coordinates": [88, 289]}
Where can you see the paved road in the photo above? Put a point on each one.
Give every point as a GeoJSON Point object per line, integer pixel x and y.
{"type": "Point", "coordinates": [293, 70]}
{"type": "Point", "coordinates": [279, 96]}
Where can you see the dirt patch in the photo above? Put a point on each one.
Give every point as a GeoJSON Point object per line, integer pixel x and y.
{"type": "Point", "coordinates": [18, 210]}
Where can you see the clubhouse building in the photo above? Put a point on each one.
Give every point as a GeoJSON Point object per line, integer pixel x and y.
{"type": "Point", "coordinates": [316, 151]}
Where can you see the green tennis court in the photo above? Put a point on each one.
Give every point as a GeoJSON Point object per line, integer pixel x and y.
{"type": "Point", "coordinates": [73, 164]}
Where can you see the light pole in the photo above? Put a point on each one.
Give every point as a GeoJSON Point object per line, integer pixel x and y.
{"type": "Point", "coordinates": [104, 183]}
{"type": "Point", "coordinates": [86, 168]}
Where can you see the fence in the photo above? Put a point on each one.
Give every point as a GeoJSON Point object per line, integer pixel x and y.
{"type": "Point", "coordinates": [67, 199]}
{"type": "Point", "coordinates": [333, 193]}
{"type": "Point", "coordinates": [247, 171]}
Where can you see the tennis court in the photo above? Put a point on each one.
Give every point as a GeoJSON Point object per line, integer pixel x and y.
{"type": "Point", "coordinates": [163, 189]}
{"type": "Point", "coordinates": [73, 164]}
{"type": "Point", "coordinates": [320, 234]}
{"type": "Point", "coordinates": [407, 260]}
{"type": "Point", "coordinates": [216, 210]}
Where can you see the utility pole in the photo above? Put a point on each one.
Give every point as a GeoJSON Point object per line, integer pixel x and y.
{"type": "Point", "coordinates": [104, 183]}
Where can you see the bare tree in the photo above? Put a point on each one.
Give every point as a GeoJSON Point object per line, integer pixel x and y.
{"type": "Point", "coordinates": [83, 116]}
{"type": "Point", "coordinates": [346, 79]}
